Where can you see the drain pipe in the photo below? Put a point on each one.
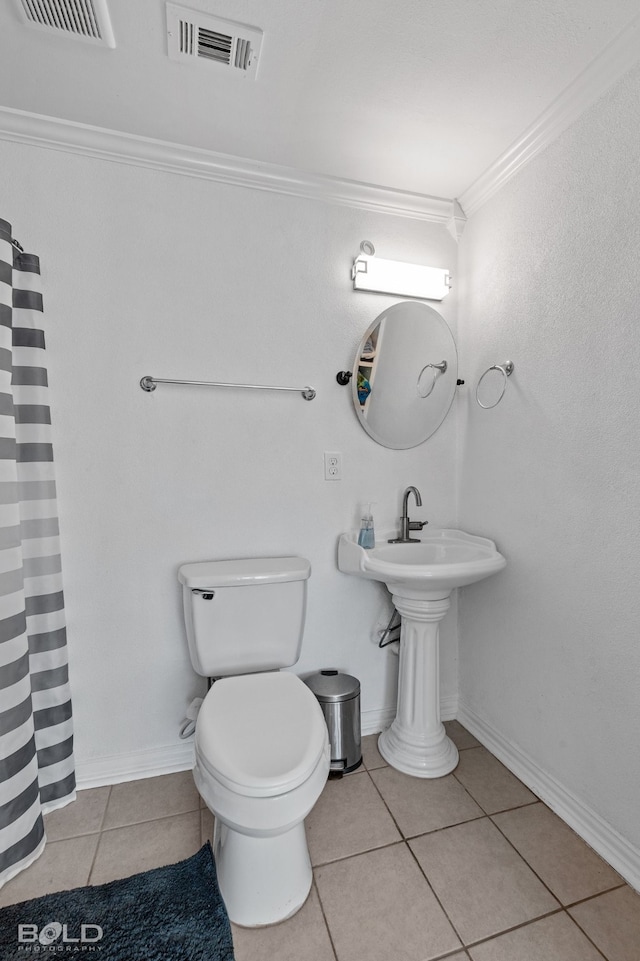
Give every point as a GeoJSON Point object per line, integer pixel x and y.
{"type": "Point", "coordinates": [391, 633]}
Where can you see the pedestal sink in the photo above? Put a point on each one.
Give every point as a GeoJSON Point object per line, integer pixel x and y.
{"type": "Point", "coordinates": [420, 576]}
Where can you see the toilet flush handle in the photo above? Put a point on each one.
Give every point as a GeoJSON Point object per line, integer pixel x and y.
{"type": "Point", "coordinates": [205, 594]}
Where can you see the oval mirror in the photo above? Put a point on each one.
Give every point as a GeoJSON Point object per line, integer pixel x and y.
{"type": "Point", "coordinates": [405, 375]}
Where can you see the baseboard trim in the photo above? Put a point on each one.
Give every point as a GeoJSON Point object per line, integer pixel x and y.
{"type": "Point", "coordinates": [592, 828]}
{"type": "Point", "coordinates": [116, 768]}
{"type": "Point", "coordinates": [372, 722]}
{"type": "Point", "coordinates": [448, 707]}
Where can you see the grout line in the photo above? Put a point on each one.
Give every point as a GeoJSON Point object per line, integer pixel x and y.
{"type": "Point", "coordinates": [525, 924]}
{"type": "Point", "coordinates": [490, 814]}
{"type": "Point", "coordinates": [467, 791]}
{"type": "Point", "coordinates": [403, 840]}
{"type": "Point", "coordinates": [161, 817]}
{"type": "Point", "coordinates": [561, 908]}
{"type": "Point", "coordinates": [503, 810]}
{"type": "Point", "coordinates": [435, 894]}
{"type": "Point", "coordinates": [411, 837]}
{"type": "Point", "coordinates": [587, 936]}
{"type": "Point", "coordinates": [564, 907]}
{"type": "Point", "coordinates": [445, 827]}
{"type": "Point", "coordinates": [515, 927]}
{"type": "Point", "coordinates": [420, 868]}
{"type": "Point", "coordinates": [543, 882]}
{"type": "Point", "coordinates": [591, 897]}
{"type": "Point", "coordinates": [449, 827]}
{"type": "Point", "coordinates": [95, 853]}
{"type": "Point", "coordinates": [359, 854]}
{"type": "Point", "coordinates": [469, 747]}
{"type": "Point", "coordinates": [390, 812]}
{"type": "Point", "coordinates": [524, 860]}
{"type": "Point", "coordinates": [324, 917]}
{"type": "Point", "coordinates": [93, 859]}
{"type": "Point", "coordinates": [515, 807]}
{"type": "Point", "coordinates": [451, 954]}
{"type": "Point", "coordinates": [104, 813]}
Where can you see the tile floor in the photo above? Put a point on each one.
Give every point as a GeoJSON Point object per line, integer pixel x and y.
{"type": "Point", "coordinates": [470, 867]}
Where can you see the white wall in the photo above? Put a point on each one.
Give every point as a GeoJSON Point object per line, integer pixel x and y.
{"type": "Point", "coordinates": [153, 273]}
{"type": "Point", "coordinates": [550, 648]}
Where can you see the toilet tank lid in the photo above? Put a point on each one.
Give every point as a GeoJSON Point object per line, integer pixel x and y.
{"type": "Point", "coordinates": [244, 572]}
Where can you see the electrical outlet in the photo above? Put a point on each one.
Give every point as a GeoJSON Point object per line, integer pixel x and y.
{"type": "Point", "coordinates": [332, 465]}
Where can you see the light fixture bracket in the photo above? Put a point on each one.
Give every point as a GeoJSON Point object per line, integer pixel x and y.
{"type": "Point", "coordinates": [359, 266]}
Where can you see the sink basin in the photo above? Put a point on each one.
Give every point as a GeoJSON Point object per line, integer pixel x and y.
{"type": "Point", "coordinates": [429, 569]}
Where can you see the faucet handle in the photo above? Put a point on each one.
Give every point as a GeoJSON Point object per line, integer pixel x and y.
{"type": "Point", "coordinates": [417, 525]}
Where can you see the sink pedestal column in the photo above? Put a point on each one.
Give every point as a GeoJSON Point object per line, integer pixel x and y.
{"type": "Point", "coordinates": [416, 742]}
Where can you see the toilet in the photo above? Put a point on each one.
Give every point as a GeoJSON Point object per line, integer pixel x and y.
{"type": "Point", "coordinates": [262, 751]}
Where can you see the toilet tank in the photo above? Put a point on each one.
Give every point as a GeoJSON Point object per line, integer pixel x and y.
{"type": "Point", "coordinates": [244, 615]}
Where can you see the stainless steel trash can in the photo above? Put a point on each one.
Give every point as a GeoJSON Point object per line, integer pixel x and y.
{"type": "Point", "coordinates": [339, 697]}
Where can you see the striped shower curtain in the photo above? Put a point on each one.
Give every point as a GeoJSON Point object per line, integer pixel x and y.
{"type": "Point", "coordinates": [36, 737]}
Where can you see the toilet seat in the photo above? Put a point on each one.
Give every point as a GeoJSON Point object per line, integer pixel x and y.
{"type": "Point", "coordinates": [260, 735]}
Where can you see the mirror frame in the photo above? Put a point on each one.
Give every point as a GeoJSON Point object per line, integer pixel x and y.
{"type": "Point", "coordinates": [451, 374]}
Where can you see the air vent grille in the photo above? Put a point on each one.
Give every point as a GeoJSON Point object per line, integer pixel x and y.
{"type": "Point", "coordinates": [82, 19]}
{"type": "Point", "coordinates": [198, 36]}
{"type": "Point", "coordinates": [243, 54]}
{"type": "Point", "coordinates": [187, 38]}
{"type": "Point", "coordinates": [214, 46]}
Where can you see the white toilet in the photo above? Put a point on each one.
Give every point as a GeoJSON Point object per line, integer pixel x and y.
{"type": "Point", "coordinates": [262, 751]}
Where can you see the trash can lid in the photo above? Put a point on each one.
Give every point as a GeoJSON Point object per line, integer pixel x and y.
{"type": "Point", "coordinates": [330, 685]}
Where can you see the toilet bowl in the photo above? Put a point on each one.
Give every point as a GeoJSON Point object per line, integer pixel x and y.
{"type": "Point", "coordinates": [262, 753]}
{"type": "Point", "coordinates": [262, 760]}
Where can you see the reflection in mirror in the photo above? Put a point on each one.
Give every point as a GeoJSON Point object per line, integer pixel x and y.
{"type": "Point", "coordinates": [405, 375]}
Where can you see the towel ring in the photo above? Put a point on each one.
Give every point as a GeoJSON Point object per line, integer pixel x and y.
{"type": "Point", "coordinates": [441, 367]}
{"type": "Point", "coordinates": [506, 370]}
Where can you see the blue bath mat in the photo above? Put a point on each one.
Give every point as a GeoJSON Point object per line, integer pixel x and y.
{"type": "Point", "coordinates": [174, 912]}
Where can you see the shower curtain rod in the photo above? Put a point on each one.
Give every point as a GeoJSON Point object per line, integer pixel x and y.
{"type": "Point", "coordinates": [149, 383]}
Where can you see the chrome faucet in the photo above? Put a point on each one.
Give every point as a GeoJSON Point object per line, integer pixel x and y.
{"type": "Point", "coordinates": [405, 524]}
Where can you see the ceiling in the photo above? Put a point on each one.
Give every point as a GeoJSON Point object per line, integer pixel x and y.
{"type": "Point", "coordinates": [413, 95]}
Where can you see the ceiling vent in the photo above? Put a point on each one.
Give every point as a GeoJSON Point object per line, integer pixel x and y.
{"type": "Point", "coordinates": [198, 36]}
{"type": "Point", "coordinates": [82, 19]}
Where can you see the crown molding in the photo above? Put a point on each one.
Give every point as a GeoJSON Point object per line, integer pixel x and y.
{"type": "Point", "coordinates": [591, 84]}
{"type": "Point", "coordinates": [457, 221]}
{"type": "Point", "coordinates": [102, 144]}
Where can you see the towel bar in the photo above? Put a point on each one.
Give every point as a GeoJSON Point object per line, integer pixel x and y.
{"type": "Point", "coordinates": [149, 383]}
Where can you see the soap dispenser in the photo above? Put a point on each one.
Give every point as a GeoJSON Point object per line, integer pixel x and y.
{"type": "Point", "coordinates": [367, 536]}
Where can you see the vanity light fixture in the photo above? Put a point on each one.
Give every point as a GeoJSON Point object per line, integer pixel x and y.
{"type": "Point", "coordinates": [395, 277]}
